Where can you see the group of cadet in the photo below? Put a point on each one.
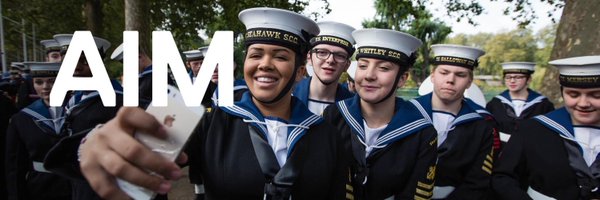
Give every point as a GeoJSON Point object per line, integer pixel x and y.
{"type": "Point", "coordinates": [290, 136]}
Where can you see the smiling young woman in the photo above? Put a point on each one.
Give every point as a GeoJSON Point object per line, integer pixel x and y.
{"type": "Point", "coordinates": [381, 130]}
{"type": "Point", "coordinates": [268, 145]}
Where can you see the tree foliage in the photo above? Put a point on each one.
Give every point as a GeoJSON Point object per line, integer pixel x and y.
{"type": "Point", "coordinates": [524, 12]}
{"type": "Point", "coordinates": [511, 46]}
{"type": "Point", "coordinates": [185, 19]}
{"type": "Point", "coordinates": [413, 18]}
{"type": "Point", "coordinates": [429, 32]}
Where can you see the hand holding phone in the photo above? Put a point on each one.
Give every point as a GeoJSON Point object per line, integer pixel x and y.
{"type": "Point", "coordinates": [180, 121]}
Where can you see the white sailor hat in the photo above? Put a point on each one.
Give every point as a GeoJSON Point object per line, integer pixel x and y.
{"type": "Point", "coordinates": [579, 72]}
{"type": "Point", "coordinates": [50, 45]}
{"type": "Point", "coordinates": [390, 45]}
{"type": "Point", "coordinates": [117, 54]}
{"type": "Point", "coordinates": [278, 27]}
{"type": "Point", "coordinates": [17, 64]}
{"type": "Point", "coordinates": [352, 69]}
{"type": "Point", "coordinates": [518, 67]}
{"type": "Point", "coordinates": [192, 55]}
{"type": "Point", "coordinates": [63, 39]}
{"type": "Point", "coordinates": [335, 33]}
{"type": "Point", "coordinates": [204, 50]}
{"type": "Point", "coordinates": [102, 44]}
{"type": "Point", "coordinates": [457, 55]}
{"type": "Point", "coordinates": [43, 69]}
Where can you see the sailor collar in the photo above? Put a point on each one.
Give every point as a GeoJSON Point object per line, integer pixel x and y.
{"type": "Point", "coordinates": [238, 84]}
{"type": "Point", "coordinates": [301, 118]}
{"type": "Point", "coordinates": [559, 121]}
{"type": "Point", "coordinates": [406, 121]}
{"type": "Point", "coordinates": [302, 91]}
{"type": "Point", "coordinates": [78, 96]}
{"type": "Point", "coordinates": [147, 71]}
{"type": "Point", "coordinates": [41, 115]}
{"type": "Point", "coordinates": [469, 111]}
{"type": "Point", "coordinates": [532, 99]}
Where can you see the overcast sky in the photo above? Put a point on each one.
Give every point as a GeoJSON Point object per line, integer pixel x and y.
{"type": "Point", "coordinates": [491, 21]}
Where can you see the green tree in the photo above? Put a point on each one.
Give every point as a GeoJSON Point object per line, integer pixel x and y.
{"type": "Point", "coordinates": [517, 45]}
{"type": "Point", "coordinates": [185, 19]}
{"type": "Point", "coordinates": [429, 32]}
{"type": "Point", "coordinates": [413, 18]}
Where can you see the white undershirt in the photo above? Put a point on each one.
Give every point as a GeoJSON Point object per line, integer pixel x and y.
{"type": "Point", "coordinates": [371, 135]}
{"type": "Point", "coordinates": [55, 115]}
{"type": "Point", "coordinates": [317, 107]}
{"type": "Point", "coordinates": [589, 139]}
{"type": "Point", "coordinates": [54, 112]}
{"type": "Point", "coordinates": [519, 105]}
{"type": "Point", "coordinates": [277, 136]}
{"type": "Point", "coordinates": [442, 122]}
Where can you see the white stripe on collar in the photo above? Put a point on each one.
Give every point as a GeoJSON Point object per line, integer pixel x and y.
{"type": "Point", "coordinates": [244, 112]}
{"type": "Point", "coordinates": [563, 132]}
{"type": "Point", "coordinates": [421, 109]}
{"type": "Point", "coordinates": [38, 117]}
{"type": "Point", "coordinates": [351, 119]}
{"type": "Point", "coordinates": [293, 134]}
{"type": "Point", "coordinates": [400, 131]}
{"type": "Point", "coordinates": [527, 104]}
{"type": "Point", "coordinates": [386, 138]}
{"type": "Point", "coordinates": [298, 129]}
{"type": "Point", "coordinates": [463, 118]}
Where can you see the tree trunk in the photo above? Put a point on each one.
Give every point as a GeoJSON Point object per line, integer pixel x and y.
{"type": "Point", "coordinates": [136, 19]}
{"type": "Point", "coordinates": [577, 35]}
{"type": "Point", "coordinates": [93, 15]}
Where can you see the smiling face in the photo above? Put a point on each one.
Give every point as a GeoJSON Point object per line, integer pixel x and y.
{"type": "Point", "coordinates": [450, 82]}
{"type": "Point", "coordinates": [375, 79]}
{"type": "Point", "coordinates": [329, 62]}
{"type": "Point", "coordinates": [268, 69]}
{"type": "Point", "coordinates": [43, 86]}
{"type": "Point", "coordinates": [583, 105]}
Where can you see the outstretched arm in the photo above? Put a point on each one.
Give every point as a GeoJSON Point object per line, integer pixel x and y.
{"type": "Point", "coordinates": [111, 152]}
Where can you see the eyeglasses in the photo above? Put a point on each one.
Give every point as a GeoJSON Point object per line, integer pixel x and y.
{"type": "Point", "coordinates": [517, 78]}
{"type": "Point", "coordinates": [324, 55]}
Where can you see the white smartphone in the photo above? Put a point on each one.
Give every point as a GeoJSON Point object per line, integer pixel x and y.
{"type": "Point", "coordinates": [180, 121]}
